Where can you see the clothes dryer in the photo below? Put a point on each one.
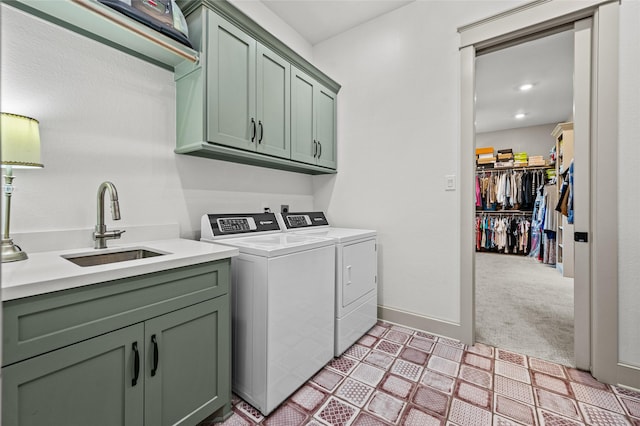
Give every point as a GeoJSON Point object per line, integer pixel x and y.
{"type": "Point", "coordinates": [355, 274]}
{"type": "Point", "coordinates": [283, 296]}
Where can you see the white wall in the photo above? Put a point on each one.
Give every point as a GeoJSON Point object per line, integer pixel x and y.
{"type": "Point", "coordinates": [107, 116]}
{"type": "Point", "coordinates": [628, 178]}
{"type": "Point", "coordinates": [398, 129]}
{"type": "Point", "coordinates": [271, 22]}
{"type": "Point", "coordinates": [534, 140]}
{"type": "Point", "coordinates": [398, 132]}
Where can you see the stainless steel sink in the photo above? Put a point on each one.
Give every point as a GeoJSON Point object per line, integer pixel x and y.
{"type": "Point", "coordinates": [87, 259]}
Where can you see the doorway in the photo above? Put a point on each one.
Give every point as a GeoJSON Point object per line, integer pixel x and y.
{"type": "Point", "coordinates": [524, 292]}
{"type": "Point", "coordinates": [597, 341]}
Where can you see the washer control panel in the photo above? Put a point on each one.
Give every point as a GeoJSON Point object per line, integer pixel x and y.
{"type": "Point", "coordinates": [221, 225]}
{"type": "Point", "coordinates": [236, 224]}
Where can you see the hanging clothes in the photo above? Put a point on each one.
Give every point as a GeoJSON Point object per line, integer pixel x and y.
{"type": "Point", "coordinates": [508, 189]}
{"type": "Point", "coordinates": [509, 234]}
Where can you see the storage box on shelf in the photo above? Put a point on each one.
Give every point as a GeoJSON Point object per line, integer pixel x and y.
{"type": "Point", "coordinates": [107, 26]}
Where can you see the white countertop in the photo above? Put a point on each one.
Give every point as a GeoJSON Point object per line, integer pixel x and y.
{"type": "Point", "coordinates": [46, 272]}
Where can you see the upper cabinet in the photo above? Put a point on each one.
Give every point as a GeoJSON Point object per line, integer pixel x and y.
{"type": "Point", "coordinates": [247, 100]}
{"type": "Point", "coordinates": [248, 92]}
{"type": "Point", "coordinates": [313, 121]}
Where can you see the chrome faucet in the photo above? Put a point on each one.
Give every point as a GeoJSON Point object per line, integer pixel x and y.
{"type": "Point", "coordinates": [101, 235]}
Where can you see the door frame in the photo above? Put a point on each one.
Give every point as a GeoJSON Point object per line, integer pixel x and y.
{"type": "Point", "coordinates": [514, 24]}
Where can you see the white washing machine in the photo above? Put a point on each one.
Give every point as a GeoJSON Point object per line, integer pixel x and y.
{"type": "Point", "coordinates": [283, 294]}
{"type": "Point", "coordinates": [356, 273]}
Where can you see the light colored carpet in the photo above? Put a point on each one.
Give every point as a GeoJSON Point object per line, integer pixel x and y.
{"type": "Point", "coordinates": [524, 306]}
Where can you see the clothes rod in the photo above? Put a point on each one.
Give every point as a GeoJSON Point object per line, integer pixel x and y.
{"type": "Point", "coordinates": [516, 212]}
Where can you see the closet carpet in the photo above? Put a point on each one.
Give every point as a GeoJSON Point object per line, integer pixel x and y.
{"type": "Point", "coordinates": [524, 306]}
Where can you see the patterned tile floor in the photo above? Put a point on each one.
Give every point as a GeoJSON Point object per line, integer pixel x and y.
{"type": "Point", "coordinates": [399, 376]}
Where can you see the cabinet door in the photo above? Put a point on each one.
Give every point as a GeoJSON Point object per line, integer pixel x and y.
{"type": "Point", "coordinates": [188, 370]}
{"type": "Point", "coordinates": [88, 383]}
{"type": "Point", "coordinates": [326, 127]}
{"type": "Point", "coordinates": [273, 97]}
{"type": "Point", "coordinates": [303, 131]}
{"type": "Point", "coordinates": [231, 79]}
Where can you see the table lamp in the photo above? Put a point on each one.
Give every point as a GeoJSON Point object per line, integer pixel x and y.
{"type": "Point", "coordinates": [20, 141]}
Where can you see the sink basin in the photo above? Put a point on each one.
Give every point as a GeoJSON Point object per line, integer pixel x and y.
{"type": "Point", "coordinates": [88, 259]}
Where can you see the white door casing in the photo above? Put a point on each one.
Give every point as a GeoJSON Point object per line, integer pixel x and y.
{"type": "Point", "coordinates": [598, 340]}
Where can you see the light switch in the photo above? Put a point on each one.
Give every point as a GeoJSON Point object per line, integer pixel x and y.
{"type": "Point", "coordinates": [450, 183]}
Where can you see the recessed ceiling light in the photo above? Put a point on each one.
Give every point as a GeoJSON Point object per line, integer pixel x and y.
{"type": "Point", "coordinates": [525, 87]}
{"type": "Point", "coordinates": [520, 115]}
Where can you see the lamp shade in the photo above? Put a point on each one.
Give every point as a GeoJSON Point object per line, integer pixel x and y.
{"type": "Point", "coordinates": [20, 140]}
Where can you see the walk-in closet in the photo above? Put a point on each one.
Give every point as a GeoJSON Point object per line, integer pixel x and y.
{"type": "Point", "coordinates": [524, 289]}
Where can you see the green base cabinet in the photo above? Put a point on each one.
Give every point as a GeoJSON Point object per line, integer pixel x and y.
{"type": "Point", "coordinates": [155, 352]}
{"type": "Point", "coordinates": [89, 383]}
{"type": "Point", "coordinates": [238, 103]}
{"type": "Point", "coordinates": [186, 378]}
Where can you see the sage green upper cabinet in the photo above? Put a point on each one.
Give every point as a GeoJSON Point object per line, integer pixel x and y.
{"type": "Point", "coordinates": [274, 107]}
{"type": "Point", "coordinates": [237, 104]}
{"type": "Point", "coordinates": [248, 89]}
{"type": "Point", "coordinates": [231, 102]}
{"type": "Point", "coordinates": [313, 121]}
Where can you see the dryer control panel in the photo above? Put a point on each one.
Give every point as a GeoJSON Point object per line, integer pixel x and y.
{"type": "Point", "coordinates": [304, 220]}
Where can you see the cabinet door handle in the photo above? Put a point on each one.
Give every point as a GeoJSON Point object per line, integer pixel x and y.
{"type": "Point", "coordinates": [315, 148]}
{"type": "Point", "coordinates": [320, 151]}
{"type": "Point", "coordinates": [136, 363]}
{"type": "Point", "coordinates": [261, 131]}
{"type": "Point", "coordinates": [253, 129]}
{"type": "Point", "coordinates": [155, 355]}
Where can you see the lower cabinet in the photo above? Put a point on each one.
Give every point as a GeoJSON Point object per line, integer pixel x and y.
{"type": "Point", "coordinates": [184, 374]}
{"type": "Point", "coordinates": [88, 383]}
{"type": "Point", "coordinates": [170, 369]}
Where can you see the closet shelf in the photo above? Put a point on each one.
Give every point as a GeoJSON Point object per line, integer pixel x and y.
{"type": "Point", "coordinates": [107, 26]}
{"type": "Point", "coordinates": [502, 169]}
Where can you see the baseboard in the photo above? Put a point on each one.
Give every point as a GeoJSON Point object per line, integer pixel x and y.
{"type": "Point", "coordinates": [420, 322]}
{"type": "Point", "coordinates": [629, 376]}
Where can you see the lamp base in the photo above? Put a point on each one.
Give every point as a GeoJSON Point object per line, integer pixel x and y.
{"type": "Point", "coordinates": [11, 252]}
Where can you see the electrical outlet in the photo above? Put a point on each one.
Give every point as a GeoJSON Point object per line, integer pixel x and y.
{"type": "Point", "coordinates": [284, 208]}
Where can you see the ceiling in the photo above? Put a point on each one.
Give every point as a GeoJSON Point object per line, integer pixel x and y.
{"type": "Point", "coordinates": [318, 20]}
{"type": "Point", "coordinates": [547, 63]}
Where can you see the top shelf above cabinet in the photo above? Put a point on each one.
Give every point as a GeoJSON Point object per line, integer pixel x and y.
{"type": "Point", "coordinates": [103, 24]}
